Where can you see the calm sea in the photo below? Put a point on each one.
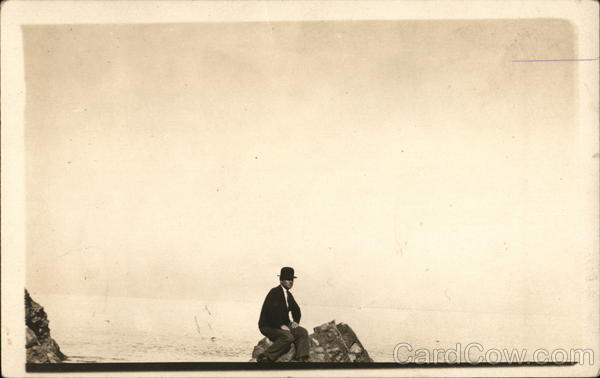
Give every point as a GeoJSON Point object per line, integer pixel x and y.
{"type": "Point", "coordinates": [117, 329]}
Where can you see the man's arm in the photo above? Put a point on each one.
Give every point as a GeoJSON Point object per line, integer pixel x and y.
{"type": "Point", "coordinates": [296, 313]}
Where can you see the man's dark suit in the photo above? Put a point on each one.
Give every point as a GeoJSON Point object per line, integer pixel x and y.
{"type": "Point", "coordinates": [273, 315]}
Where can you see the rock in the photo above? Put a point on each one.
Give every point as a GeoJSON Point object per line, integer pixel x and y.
{"type": "Point", "coordinates": [330, 342]}
{"type": "Point", "coordinates": [31, 338]}
{"type": "Point", "coordinates": [356, 348]}
{"type": "Point", "coordinates": [40, 347]}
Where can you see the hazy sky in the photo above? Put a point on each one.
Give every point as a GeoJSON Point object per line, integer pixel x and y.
{"type": "Point", "coordinates": [401, 164]}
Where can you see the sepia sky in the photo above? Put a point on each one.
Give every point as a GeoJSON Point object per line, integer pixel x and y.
{"type": "Point", "coordinates": [403, 164]}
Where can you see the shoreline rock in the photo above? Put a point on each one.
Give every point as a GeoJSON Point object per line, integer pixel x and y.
{"type": "Point", "coordinates": [39, 345]}
{"type": "Point", "coordinates": [330, 342]}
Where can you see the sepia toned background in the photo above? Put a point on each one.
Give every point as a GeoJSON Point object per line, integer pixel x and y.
{"type": "Point", "coordinates": [422, 183]}
{"type": "Point", "coordinates": [381, 159]}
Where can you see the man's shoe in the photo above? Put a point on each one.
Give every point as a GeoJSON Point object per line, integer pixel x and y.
{"type": "Point", "coordinates": [262, 358]}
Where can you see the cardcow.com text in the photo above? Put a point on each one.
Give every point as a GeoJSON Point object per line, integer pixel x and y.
{"type": "Point", "coordinates": [476, 353]}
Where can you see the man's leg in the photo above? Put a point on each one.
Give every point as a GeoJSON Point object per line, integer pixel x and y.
{"type": "Point", "coordinates": [281, 342]}
{"type": "Point", "coordinates": [300, 342]}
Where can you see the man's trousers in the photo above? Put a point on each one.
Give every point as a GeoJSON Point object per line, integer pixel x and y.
{"type": "Point", "coordinates": [282, 340]}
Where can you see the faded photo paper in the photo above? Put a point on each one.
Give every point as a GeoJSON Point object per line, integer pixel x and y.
{"type": "Point", "coordinates": [262, 188]}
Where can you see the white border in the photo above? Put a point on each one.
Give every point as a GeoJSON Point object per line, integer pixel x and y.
{"type": "Point", "coordinates": [582, 14]}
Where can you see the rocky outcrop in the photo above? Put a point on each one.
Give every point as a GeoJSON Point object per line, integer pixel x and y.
{"type": "Point", "coordinates": [330, 342]}
{"type": "Point", "coordinates": [40, 347]}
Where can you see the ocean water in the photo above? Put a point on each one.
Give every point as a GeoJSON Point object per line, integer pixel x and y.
{"type": "Point", "coordinates": [117, 329]}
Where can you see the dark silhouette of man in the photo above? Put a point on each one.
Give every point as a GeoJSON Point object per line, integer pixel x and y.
{"type": "Point", "coordinates": [275, 322]}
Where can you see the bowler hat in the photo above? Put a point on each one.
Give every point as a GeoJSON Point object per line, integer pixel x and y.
{"type": "Point", "coordinates": [287, 273]}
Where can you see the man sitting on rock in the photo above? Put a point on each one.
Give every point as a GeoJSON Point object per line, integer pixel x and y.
{"type": "Point", "coordinates": [275, 322]}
